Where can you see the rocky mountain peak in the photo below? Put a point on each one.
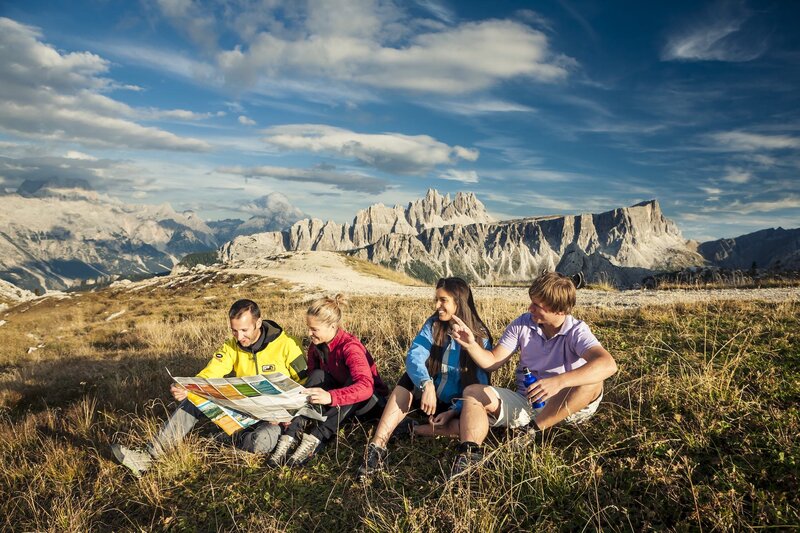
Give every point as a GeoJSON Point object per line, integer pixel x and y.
{"type": "Point", "coordinates": [435, 210]}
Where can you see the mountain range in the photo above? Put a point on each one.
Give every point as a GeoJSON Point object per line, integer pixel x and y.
{"type": "Point", "coordinates": [437, 236]}
{"type": "Point", "coordinates": [57, 234]}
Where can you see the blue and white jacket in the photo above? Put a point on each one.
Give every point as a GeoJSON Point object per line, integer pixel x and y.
{"type": "Point", "coordinates": [448, 381]}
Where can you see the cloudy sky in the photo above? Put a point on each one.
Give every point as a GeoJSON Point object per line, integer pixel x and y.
{"type": "Point", "coordinates": [553, 107]}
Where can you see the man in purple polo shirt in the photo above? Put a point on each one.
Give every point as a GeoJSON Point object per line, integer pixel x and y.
{"type": "Point", "coordinates": [561, 351]}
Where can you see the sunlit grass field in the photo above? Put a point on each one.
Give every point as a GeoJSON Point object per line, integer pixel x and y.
{"type": "Point", "coordinates": [698, 430]}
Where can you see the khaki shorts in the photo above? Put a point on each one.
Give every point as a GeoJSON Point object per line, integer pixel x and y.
{"type": "Point", "coordinates": [516, 410]}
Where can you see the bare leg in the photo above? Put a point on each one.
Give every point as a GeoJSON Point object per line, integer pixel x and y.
{"type": "Point", "coordinates": [566, 402]}
{"type": "Point", "coordinates": [397, 407]}
{"type": "Point", "coordinates": [451, 429]}
{"type": "Point", "coordinates": [479, 400]}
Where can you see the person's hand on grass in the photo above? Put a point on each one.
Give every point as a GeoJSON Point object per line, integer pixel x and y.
{"type": "Point", "coordinates": [443, 418]}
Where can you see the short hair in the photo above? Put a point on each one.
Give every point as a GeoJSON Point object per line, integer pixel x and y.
{"type": "Point", "coordinates": [243, 306]}
{"type": "Point", "coordinates": [556, 291]}
{"type": "Point", "coordinates": [327, 309]}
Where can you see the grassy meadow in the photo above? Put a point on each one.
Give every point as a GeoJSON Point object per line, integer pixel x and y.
{"type": "Point", "coordinates": [698, 429]}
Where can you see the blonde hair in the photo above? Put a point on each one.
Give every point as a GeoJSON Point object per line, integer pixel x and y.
{"type": "Point", "coordinates": [555, 291]}
{"type": "Point", "coordinates": [327, 309]}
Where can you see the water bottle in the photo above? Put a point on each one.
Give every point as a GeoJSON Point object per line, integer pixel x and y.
{"type": "Point", "coordinates": [529, 379]}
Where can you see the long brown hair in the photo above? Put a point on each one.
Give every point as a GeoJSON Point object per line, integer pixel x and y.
{"type": "Point", "coordinates": [466, 311]}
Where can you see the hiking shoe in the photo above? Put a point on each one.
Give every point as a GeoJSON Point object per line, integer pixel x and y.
{"type": "Point", "coordinates": [468, 456]}
{"type": "Point", "coordinates": [404, 429]}
{"type": "Point", "coordinates": [307, 448]}
{"type": "Point", "coordinates": [281, 451]}
{"type": "Point", "coordinates": [137, 461]}
{"type": "Point", "coordinates": [375, 462]}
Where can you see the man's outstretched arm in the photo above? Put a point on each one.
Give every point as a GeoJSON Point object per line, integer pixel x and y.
{"type": "Point", "coordinates": [486, 359]}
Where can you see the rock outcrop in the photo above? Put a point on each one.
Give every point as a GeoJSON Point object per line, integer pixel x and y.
{"type": "Point", "coordinates": [620, 246]}
{"type": "Point", "coordinates": [368, 226]}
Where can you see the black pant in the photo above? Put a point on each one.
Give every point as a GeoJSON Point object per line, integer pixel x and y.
{"type": "Point", "coordinates": [369, 409]}
{"type": "Point", "coordinates": [416, 395]}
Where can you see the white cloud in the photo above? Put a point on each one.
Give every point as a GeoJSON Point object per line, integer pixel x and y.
{"type": "Point", "coordinates": [346, 181]}
{"type": "Point", "coordinates": [438, 10]}
{"type": "Point", "coordinates": [743, 141]}
{"type": "Point", "coordinates": [392, 152]}
{"type": "Point", "coordinates": [357, 48]}
{"type": "Point", "coordinates": [164, 60]}
{"type": "Point", "coordinates": [177, 114]}
{"type": "Point", "coordinates": [52, 96]}
{"type": "Point", "coordinates": [191, 18]}
{"type": "Point", "coordinates": [479, 107]}
{"type": "Point", "coordinates": [737, 176]}
{"type": "Point", "coordinates": [716, 36]}
{"type": "Point", "coordinates": [464, 176]}
{"type": "Point", "coordinates": [246, 121]}
{"type": "Point", "coordinates": [74, 165]}
{"type": "Point", "coordinates": [745, 208]}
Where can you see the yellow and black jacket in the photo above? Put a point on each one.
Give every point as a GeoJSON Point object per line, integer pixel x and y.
{"type": "Point", "coordinates": [274, 351]}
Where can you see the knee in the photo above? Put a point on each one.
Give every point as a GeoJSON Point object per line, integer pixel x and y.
{"type": "Point", "coordinates": [475, 391]}
{"type": "Point", "coordinates": [315, 378]}
{"type": "Point", "coordinates": [264, 439]}
{"type": "Point", "coordinates": [401, 393]}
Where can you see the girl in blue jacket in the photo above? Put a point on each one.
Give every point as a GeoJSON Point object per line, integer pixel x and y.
{"type": "Point", "coordinates": [437, 371]}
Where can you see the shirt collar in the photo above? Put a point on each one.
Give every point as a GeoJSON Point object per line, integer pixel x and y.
{"type": "Point", "coordinates": [569, 322]}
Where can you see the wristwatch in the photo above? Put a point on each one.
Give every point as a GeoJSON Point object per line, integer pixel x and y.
{"type": "Point", "coordinates": [422, 385]}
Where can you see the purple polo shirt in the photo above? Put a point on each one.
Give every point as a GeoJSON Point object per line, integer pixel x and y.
{"type": "Point", "coordinates": [547, 357]}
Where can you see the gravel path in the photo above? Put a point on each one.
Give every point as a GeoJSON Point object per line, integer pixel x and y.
{"type": "Point", "coordinates": [320, 273]}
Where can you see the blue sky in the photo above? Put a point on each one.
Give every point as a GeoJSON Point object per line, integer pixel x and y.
{"type": "Point", "coordinates": [543, 108]}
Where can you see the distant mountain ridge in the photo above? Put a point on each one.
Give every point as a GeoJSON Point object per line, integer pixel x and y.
{"type": "Point", "coordinates": [57, 234]}
{"type": "Point", "coordinates": [773, 248]}
{"type": "Point", "coordinates": [436, 237]}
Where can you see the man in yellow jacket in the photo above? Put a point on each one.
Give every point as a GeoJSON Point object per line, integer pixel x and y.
{"type": "Point", "coordinates": [258, 346]}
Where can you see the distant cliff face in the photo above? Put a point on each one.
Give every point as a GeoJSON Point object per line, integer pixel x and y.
{"type": "Point", "coordinates": [767, 249]}
{"type": "Point", "coordinates": [435, 237]}
{"type": "Point", "coordinates": [621, 246]}
{"type": "Point", "coordinates": [368, 226]}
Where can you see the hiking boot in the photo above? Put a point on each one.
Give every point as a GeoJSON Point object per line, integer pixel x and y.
{"type": "Point", "coordinates": [375, 462]}
{"type": "Point", "coordinates": [281, 451]}
{"type": "Point", "coordinates": [307, 449]}
{"type": "Point", "coordinates": [137, 461]}
{"type": "Point", "coordinates": [404, 429]}
{"type": "Point", "coordinates": [469, 455]}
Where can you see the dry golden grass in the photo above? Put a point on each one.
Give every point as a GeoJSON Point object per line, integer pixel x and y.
{"type": "Point", "coordinates": [371, 269]}
{"type": "Point", "coordinates": [697, 431]}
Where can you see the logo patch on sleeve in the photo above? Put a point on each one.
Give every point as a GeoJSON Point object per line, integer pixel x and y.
{"type": "Point", "coordinates": [218, 355]}
{"type": "Point", "coordinates": [267, 368]}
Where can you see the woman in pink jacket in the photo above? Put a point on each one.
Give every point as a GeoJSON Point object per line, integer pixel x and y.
{"type": "Point", "coordinates": [342, 376]}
